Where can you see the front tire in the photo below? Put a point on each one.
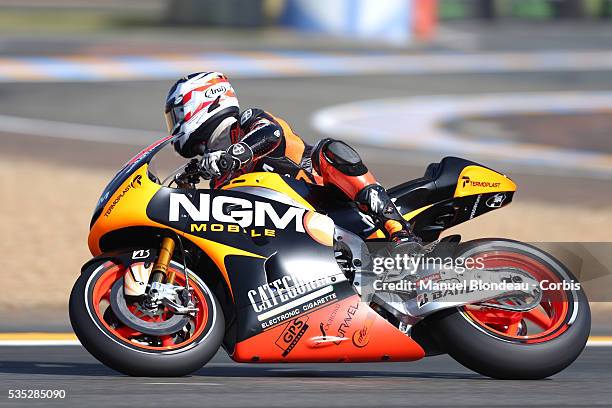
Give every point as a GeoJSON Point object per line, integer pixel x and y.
{"type": "Point", "coordinates": [122, 349]}
{"type": "Point", "coordinates": [498, 344]}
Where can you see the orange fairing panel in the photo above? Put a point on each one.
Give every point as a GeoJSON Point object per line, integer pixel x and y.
{"type": "Point", "coordinates": [344, 331]}
{"type": "Point", "coordinates": [127, 207]}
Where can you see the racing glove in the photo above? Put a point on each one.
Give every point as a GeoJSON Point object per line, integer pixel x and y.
{"type": "Point", "coordinates": [241, 154]}
{"type": "Point", "coordinates": [218, 163]}
{"type": "Point", "coordinates": [210, 164]}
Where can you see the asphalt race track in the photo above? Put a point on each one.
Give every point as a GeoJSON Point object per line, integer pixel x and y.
{"type": "Point", "coordinates": [432, 382]}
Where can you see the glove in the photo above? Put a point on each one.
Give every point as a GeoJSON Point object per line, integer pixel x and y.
{"type": "Point", "coordinates": [209, 164]}
{"type": "Point", "coordinates": [241, 153]}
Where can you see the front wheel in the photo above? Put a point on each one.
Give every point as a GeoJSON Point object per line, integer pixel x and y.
{"type": "Point", "coordinates": [517, 345]}
{"type": "Point", "coordinates": [129, 351]}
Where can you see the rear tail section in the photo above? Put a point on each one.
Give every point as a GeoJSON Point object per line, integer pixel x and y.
{"type": "Point", "coordinates": [451, 192]}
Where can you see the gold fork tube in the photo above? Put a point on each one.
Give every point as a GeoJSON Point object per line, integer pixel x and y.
{"type": "Point", "coordinates": [160, 268]}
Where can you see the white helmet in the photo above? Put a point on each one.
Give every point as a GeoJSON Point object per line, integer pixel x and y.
{"type": "Point", "coordinates": [200, 110]}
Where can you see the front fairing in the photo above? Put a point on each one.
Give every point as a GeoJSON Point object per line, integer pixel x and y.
{"type": "Point", "coordinates": [127, 171]}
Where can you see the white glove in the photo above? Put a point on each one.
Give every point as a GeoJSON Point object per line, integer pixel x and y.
{"type": "Point", "coordinates": [209, 164]}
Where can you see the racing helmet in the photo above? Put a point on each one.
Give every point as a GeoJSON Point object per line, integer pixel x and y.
{"type": "Point", "coordinates": [200, 110]}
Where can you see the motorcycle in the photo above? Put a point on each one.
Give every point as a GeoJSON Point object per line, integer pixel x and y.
{"type": "Point", "coordinates": [275, 269]}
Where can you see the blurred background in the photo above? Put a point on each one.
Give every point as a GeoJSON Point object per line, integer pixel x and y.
{"type": "Point", "coordinates": [523, 86]}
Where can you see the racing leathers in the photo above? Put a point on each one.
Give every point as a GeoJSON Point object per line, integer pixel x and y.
{"type": "Point", "coordinates": [264, 142]}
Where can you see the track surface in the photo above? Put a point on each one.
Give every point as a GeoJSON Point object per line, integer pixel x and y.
{"type": "Point", "coordinates": [433, 382]}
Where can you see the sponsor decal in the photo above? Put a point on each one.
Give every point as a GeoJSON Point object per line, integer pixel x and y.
{"type": "Point", "coordinates": [433, 277]}
{"type": "Point", "coordinates": [475, 207]}
{"type": "Point", "coordinates": [141, 254]}
{"type": "Point", "coordinates": [243, 212]}
{"type": "Point", "coordinates": [475, 183]}
{"type": "Point", "coordinates": [347, 321]}
{"type": "Point", "coordinates": [361, 337]}
{"type": "Point", "coordinates": [136, 181]}
{"type": "Point", "coordinates": [246, 116]}
{"type": "Point", "coordinates": [375, 202]}
{"type": "Point", "coordinates": [292, 334]}
{"type": "Point", "coordinates": [282, 290]}
{"type": "Point", "coordinates": [118, 199]}
{"type": "Point", "coordinates": [238, 149]}
{"type": "Point", "coordinates": [325, 339]}
{"type": "Point", "coordinates": [404, 328]}
{"type": "Point", "coordinates": [422, 299]}
{"type": "Point", "coordinates": [496, 201]}
{"type": "Point", "coordinates": [232, 228]}
{"type": "Point", "coordinates": [330, 319]}
{"type": "Point", "coordinates": [215, 91]}
{"type": "Point", "coordinates": [296, 307]}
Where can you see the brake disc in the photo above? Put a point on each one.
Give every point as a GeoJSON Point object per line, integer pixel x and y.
{"type": "Point", "coordinates": [124, 314]}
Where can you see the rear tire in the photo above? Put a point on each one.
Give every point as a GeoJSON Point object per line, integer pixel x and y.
{"type": "Point", "coordinates": [130, 358]}
{"type": "Point", "coordinates": [491, 354]}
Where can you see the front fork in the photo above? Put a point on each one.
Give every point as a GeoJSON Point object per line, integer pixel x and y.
{"type": "Point", "coordinates": [159, 273]}
{"type": "Point", "coordinates": [162, 289]}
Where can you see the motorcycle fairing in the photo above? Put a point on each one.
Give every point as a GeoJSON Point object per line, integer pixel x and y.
{"type": "Point", "coordinates": [450, 193]}
{"type": "Point", "coordinates": [267, 275]}
{"type": "Point", "coordinates": [125, 207]}
{"type": "Point", "coordinates": [345, 330]}
{"type": "Point", "coordinates": [143, 157]}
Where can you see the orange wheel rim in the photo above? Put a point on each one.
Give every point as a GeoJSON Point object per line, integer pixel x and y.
{"type": "Point", "coordinates": [101, 295]}
{"type": "Point", "coordinates": [550, 316]}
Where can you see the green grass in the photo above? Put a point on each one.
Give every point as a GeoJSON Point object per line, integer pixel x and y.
{"type": "Point", "coordinates": [69, 21]}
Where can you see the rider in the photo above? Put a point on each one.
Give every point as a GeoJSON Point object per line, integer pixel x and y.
{"type": "Point", "coordinates": [202, 109]}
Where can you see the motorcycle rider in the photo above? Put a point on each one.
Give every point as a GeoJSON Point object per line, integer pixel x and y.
{"type": "Point", "coordinates": [202, 110]}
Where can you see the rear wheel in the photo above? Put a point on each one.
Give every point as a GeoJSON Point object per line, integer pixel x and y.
{"type": "Point", "coordinates": [123, 348]}
{"type": "Point", "coordinates": [517, 345]}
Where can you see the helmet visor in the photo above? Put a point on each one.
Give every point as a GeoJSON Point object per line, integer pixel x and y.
{"type": "Point", "coordinates": [174, 118]}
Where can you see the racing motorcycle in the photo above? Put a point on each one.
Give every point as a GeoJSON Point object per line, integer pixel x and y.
{"type": "Point", "coordinates": [275, 269]}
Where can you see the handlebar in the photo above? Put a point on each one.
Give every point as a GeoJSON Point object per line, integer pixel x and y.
{"type": "Point", "coordinates": [192, 172]}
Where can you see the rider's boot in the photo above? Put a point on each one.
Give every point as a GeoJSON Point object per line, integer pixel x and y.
{"type": "Point", "coordinates": [374, 201]}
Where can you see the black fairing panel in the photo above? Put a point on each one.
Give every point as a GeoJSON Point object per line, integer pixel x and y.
{"type": "Point", "coordinates": [438, 184]}
{"type": "Point", "coordinates": [438, 187]}
{"type": "Point", "coordinates": [265, 281]}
